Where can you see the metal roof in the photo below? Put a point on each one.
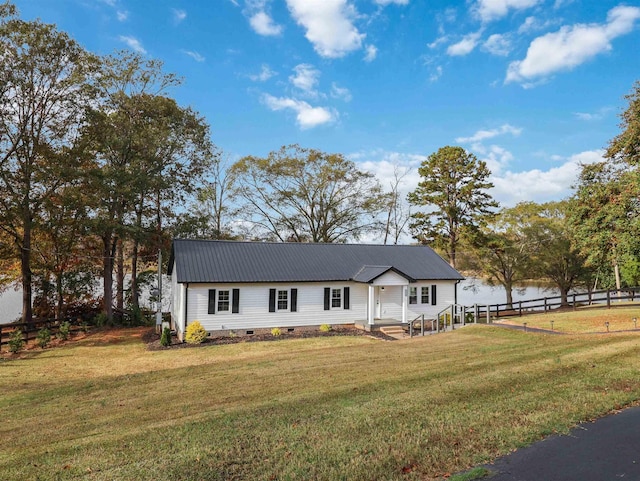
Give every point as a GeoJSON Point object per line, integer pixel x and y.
{"type": "Point", "coordinates": [207, 261]}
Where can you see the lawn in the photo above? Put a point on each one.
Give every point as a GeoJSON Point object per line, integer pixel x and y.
{"type": "Point", "coordinates": [588, 319]}
{"type": "Point", "coordinates": [339, 408]}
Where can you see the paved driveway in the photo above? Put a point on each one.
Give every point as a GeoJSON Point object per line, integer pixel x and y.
{"type": "Point", "coordinates": [607, 449]}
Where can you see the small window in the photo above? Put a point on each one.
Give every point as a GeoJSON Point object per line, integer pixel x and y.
{"type": "Point", "coordinates": [283, 300]}
{"type": "Point", "coordinates": [424, 298]}
{"type": "Point", "coordinates": [413, 295]}
{"type": "Point", "coordinates": [223, 301]}
{"type": "Point", "coordinates": [336, 297]}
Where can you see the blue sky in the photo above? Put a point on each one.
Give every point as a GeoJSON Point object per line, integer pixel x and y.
{"type": "Point", "coordinates": [534, 87]}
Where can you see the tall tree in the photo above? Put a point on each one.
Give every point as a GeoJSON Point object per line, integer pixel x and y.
{"type": "Point", "coordinates": [305, 195]}
{"type": "Point", "coordinates": [454, 188]}
{"type": "Point", "coordinates": [43, 96]}
{"type": "Point", "coordinates": [398, 214]}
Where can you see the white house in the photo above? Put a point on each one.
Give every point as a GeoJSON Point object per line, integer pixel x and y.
{"type": "Point", "coordinates": [247, 286]}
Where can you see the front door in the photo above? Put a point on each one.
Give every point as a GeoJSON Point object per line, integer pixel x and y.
{"type": "Point", "coordinates": [378, 301]}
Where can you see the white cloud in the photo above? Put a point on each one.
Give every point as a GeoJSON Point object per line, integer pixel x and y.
{"type": "Point", "coordinates": [589, 116]}
{"type": "Point", "coordinates": [265, 74]}
{"type": "Point", "coordinates": [263, 24]}
{"type": "Point", "coordinates": [306, 116]}
{"type": "Point", "coordinates": [488, 10]}
{"type": "Point", "coordinates": [371, 52]}
{"type": "Point", "coordinates": [122, 15]}
{"type": "Point", "coordinates": [178, 15]}
{"type": "Point", "coordinates": [388, 2]}
{"type": "Point", "coordinates": [438, 41]}
{"type": "Point", "coordinates": [305, 78]}
{"type": "Point", "coordinates": [436, 74]}
{"type": "Point", "coordinates": [194, 55]}
{"type": "Point", "coordinates": [540, 185]}
{"type": "Point", "coordinates": [329, 25]}
{"type": "Point", "coordinates": [133, 43]}
{"type": "Point", "coordinates": [340, 92]}
{"type": "Point", "coordinates": [532, 24]}
{"type": "Point", "coordinates": [464, 46]}
{"type": "Point", "coordinates": [498, 44]}
{"type": "Point", "coordinates": [571, 46]}
{"type": "Point", "coordinates": [481, 135]}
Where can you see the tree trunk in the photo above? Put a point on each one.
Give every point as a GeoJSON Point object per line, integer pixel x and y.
{"type": "Point", "coordinates": [120, 277]}
{"type": "Point", "coordinates": [59, 295]}
{"type": "Point", "coordinates": [508, 287]}
{"type": "Point", "coordinates": [107, 275]}
{"type": "Point", "coordinates": [25, 268]}
{"type": "Point", "coordinates": [135, 303]}
{"type": "Point", "coordinates": [564, 294]}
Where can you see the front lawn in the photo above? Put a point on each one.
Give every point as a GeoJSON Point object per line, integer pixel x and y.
{"type": "Point", "coordinates": [351, 408]}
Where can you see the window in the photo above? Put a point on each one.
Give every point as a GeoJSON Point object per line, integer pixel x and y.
{"type": "Point", "coordinates": [336, 297]}
{"type": "Point", "coordinates": [413, 295]}
{"type": "Point", "coordinates": [223, 301]}
{"type": "Point", "coordinates": [283, 300]}
{"type": "Point", "coordinates": [424, 298]}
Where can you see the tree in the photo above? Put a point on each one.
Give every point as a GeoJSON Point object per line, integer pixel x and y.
{"type": "Point", "coordinates": [304, 195]}
{"type": "Point", "coordinates": [398, 214]}
{"type": "Point", "coordinates": [625, 147]}
{"type": "Point", "coordinates": [44, 91]}
{"type": "Point", "coordinates": [454, 186]}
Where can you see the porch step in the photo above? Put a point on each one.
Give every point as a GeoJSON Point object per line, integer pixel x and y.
{"type": "Point", "coordinates": [396, 332]}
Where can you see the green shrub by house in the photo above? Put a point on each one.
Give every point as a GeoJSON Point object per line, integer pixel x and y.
{"type": "Point", "coordinates": [195, 333]}
{"type": "Point", "coordinates": [276, 331]}
{"type": "Point", "coordinates": [325, 328]}
{"type": "Point", "coordinates": [64, 330]}
{"type": "Point", "coordinates": [165, 338]}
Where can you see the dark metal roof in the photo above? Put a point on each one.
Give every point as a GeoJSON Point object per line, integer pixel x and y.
{"type": "Point", "coordinates": [239, 262]}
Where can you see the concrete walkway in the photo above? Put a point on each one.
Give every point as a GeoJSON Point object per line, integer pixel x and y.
{"type": "Point", "coordinates": [607, 449]}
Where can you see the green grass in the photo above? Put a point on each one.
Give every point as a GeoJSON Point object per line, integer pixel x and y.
{"type": "Point", "coordinates": [589, 319]}
{"type": "Point", "coordinates": [350, 408]}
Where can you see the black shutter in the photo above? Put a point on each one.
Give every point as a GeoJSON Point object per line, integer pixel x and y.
{"type": "Point", "coordinates": [327, 298]}
{"type": "Point", "coordinates": [346, 298]}
{"type": "Point", "coordinates": [433, 296]}
{"type": "Point", "coordinates": [272, 300]}
{"type": "Point", "coordinates": [212, 301]}
{"type": "Point", "coordinates": [235, 301]}
{"type": "Point", "coordinates": [294, 300]}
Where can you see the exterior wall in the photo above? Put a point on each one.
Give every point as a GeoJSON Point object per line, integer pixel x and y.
{"type": "Point", "coordinates": [177, 305]}
{"type": "Point", "coordinates": [390, 279]}
{"type": "Point", "coordinates": [254, 306]}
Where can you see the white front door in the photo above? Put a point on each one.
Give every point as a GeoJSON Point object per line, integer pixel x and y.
{"type": "Point", "coordinates": [378, 302]}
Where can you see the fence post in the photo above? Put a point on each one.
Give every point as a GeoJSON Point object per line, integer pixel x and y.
{"type": "Point", "coordinates": [438, 324]}
{"type": "Point", "coordinates": [464, 315]}
{"type": "Point", "coordinates": [488, 314]}
{"type": "Point", "coordinates": [422, 326]}
{"type": "Point", "coordinates": [452, 316]}
{"type": "Point", "coordinates": [520, 308]}
{"type": "Point", "coordinates": [497, 311]}
{"type": "Point", "coordinates": [608, 298]}
{"type": "Point", "coordinates": [574, 302]}
{"type": "Point", "coordinates": [475, 313]}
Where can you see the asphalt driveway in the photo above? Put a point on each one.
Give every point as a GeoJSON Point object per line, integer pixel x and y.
{"type": "Point", "coordinates": [603, 450]}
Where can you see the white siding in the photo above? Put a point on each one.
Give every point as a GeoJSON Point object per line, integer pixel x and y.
{"type": "Point", "coordinates": [254, 305]}
{"type": "Point", "coordinates": [390, 279]}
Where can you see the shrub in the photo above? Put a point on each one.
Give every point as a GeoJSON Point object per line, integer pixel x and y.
{"type": "Point", "coordinates": [44, 337]}
{"type": "Point", "coordinates": [276, 331]}
{"type": "Point", "coordinates": [325, 328]}
{"type": "Point", "coordinates": [165, 338]}
{"type": "Point", "coordinates": [195, 333]}
{"type": "Point", "coordinates": [64, 330]}
{"type": "Point", "coordinates": [100, 320]}
{"type": "Point", "coordinates": [16, 343]}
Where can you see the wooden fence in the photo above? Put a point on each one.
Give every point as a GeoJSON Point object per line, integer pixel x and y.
{"type": "Point", "coordinates": [30, 329]}
{"type": "Point", "coordinates": [606, 298]}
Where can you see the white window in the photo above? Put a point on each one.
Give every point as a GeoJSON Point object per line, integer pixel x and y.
{"type": "Point", "coordinates": [336, 297]}
{"type": "Point", "coordinates": [283, 300]}
{"type": "Point", "coordinates": [413, 295]}
{"type": "Point", "coordinates": [223, 301]}
{"type": "Point", "coordinates": [424, 298]}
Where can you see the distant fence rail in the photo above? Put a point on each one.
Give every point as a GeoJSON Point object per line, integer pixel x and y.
{"type": "Point", "coordinates": [608, 298]}
{"type": "Point", "coordinates": [30, 329]}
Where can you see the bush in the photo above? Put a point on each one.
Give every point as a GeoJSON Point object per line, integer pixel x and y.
{"type": "Point", "coordinates": [276, 332]}
{"type": "Point", "coordinates": [165, 338]}
{"type": "Point", "coordinates": [64, 330]}
{"type": "Point", "coordinates": [325, 328]}
{"type": "Point", "coordinates": [16, 343]}
{"type": "Point", "coordinates": [100, 320]}
{"type": "Point", "coordinates": [44, 337]}
{"type": "Point", "coordinates": [195, 333]}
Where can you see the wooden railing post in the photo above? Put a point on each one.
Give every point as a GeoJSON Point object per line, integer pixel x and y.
{"type": "Point", "coordinates": [608, 298]}
{"type": "Point", "coordinates": [575, 306]}
{"type": "Point", "coordinates": [520, 308]}
{"type": "Point", "coordinates": [488, 314]}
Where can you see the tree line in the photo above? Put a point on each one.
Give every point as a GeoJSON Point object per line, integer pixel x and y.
{"type": "Point", "coordinates": [100, 168]}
